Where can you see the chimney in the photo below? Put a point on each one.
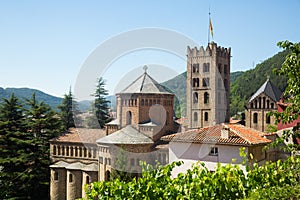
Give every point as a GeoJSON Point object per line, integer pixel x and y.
{"type": "Point", "coordinates": [225, 132]}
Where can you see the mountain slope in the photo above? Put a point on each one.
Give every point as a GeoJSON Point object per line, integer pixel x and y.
{"type": "Point", "coordinates": [250, 81]}
{"type": "Point", "coordinates": [243, 84]}
{"type": "Point", "coordinates": [26, 93]}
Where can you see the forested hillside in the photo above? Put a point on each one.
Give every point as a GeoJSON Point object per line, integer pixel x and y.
{"type": "Point", "coordinates": [26, 93]}
{"type": "Point", "coordinates": [247, 84]}
{"type": "Point", "coordinates": [243, 84]}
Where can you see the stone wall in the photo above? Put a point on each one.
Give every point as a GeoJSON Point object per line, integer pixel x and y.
{"type": "Point", "coordinates": [58, 184]}
{"type": "Point", "coordinates": [257, 110]}
{"type": "Point", "coordinates": [208, 86]}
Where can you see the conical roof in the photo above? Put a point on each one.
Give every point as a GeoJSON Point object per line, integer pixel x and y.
{"type": "Point", "coordinates": [126, 135]}
{"type": "Point", "coordinates": [145, 84]}
{"type": "Point", "coordinates": [268, 89]}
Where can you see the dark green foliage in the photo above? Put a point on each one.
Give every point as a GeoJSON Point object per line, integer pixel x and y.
{"type": "Point", "coordinates": [24, 146]}
{"type": "Point", "coordinates": [235, 75]}
{"type": "Point", "coordinates": [14, 149]}
{"type": "Point", "coordinates": [68, 111]}
{"type": "Point", "coordinates": [227, 182]}
{"type": "Point", "coordinates": [290, 69]}
{"type": "Point", "coordinates": [177, 86]}
{"type": "Point", "coordinates": [243, 84]}
{"type": "Point", "coordinates": [249, 82]}
{"type": "Point", "coordinates": [100, 106]}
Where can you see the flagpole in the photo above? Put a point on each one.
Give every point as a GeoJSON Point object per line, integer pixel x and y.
{"type": "Point", "coordinates": [209, 24]}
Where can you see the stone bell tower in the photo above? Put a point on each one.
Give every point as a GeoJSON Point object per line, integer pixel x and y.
{"type": "Point", "coordinates": [208, 85]}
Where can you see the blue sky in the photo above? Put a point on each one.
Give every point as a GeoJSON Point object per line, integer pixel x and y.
{"type": "Point", "coordinates": [45, 43]}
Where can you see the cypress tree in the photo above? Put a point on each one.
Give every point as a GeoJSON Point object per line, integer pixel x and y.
{"type": "Point", "coordinates": [68, 111]}
{"type": "Point", "coordinates": [100, 105]}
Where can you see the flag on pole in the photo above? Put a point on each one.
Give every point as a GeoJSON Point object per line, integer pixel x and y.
{"type": "Point", "coordinates": [211, 30]}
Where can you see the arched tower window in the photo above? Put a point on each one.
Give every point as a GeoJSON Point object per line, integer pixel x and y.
{"type": "Point", "coordinates": [206, 97]}
{"type": "Point", "coordinates": [107, 175]}
{"type": "Point", "coordinates": [206, 116]}
{"type": "Point", "coordinates": [195, 68]}
{"type": "Point", "coordinates": [268, 103]}
{"type": "Point", "coordinates": [195, 97]}
{"type": "Point", "coordinates": [128, 118]}
{"type": "Point", "coordinates": [255, 116]}
{"type": "Point", "coordinates": [195, 116]}
{"type": "Point", "coordinates": [205, 67]}
{"type": "Point", "coordinates": [255, 103]}
{"type": "Point", "coordinates": [205, 82]}
{"type": "Point", "coordinates": [195, 82]}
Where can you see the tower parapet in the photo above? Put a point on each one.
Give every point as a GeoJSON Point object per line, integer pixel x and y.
{"type": "Point", "coordinates": [212, 47]}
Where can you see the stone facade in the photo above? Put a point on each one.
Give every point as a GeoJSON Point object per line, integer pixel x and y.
{"type": "Point", "coordinates": [260, 104]}
{"type": "Point", "coordinates": [208, 85]}
{"type": "Point", "coordinates": [257, 113]}
{"type": "Point", "coordinates": [144, 114]}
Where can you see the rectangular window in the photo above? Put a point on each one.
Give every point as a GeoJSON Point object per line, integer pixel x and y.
{"type": "Point", "coordinates": [213, 151]}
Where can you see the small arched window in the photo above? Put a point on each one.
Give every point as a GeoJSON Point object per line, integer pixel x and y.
{"type": "Point", "coordinates": [255, 116]}
{"type": "Point", "coordinates": [195, 97]}
{"type": "Point", "coordinates": [206, 116]}
{"type": "Point", "coordinates": [195, 82]}
{"type": "Point", "coordinates": [206, 97]}
{"type": "Point", "coordinates": [128, 118]}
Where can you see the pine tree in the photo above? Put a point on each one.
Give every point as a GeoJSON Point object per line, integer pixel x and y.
{"type": "Point", "coordinates": [43, 124]}
{"type": "Point", "coordinates": [14, 150]}
{"type": "Point", "coordinates": [68, 111]}
{"type": "Point", "coordinates": [101, 103]}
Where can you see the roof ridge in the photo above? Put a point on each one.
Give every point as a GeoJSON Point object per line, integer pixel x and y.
{"type": "Point", "coordinates": [142, 85]}
{"type": "Point", "coordinates": [239, 134]}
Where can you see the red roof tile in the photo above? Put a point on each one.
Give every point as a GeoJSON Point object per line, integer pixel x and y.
{"type": "Point", "coordinates": [238, 135]}
{"type": "Point", "coordinates": [81, 135]}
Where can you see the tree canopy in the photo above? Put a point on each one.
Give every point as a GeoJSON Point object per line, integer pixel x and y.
{"type": "Point", "coordinates": [291, 96]}
{"type": "Point", "coordinates": [25, 131]}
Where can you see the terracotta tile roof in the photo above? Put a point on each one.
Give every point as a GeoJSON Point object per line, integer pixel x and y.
{"type": "Point", "coordinates": [238, 135]}
{"type": "Point", "coordinates": [81, 135]}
